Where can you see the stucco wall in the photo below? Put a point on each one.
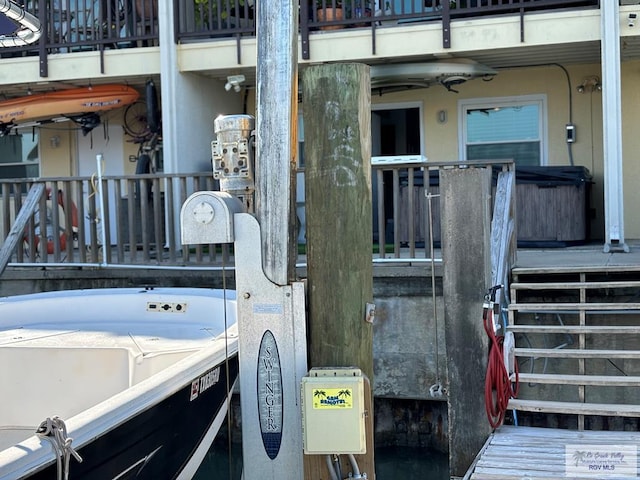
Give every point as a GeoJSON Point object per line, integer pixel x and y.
{"type": "Point", "coordinates": [564, 102]}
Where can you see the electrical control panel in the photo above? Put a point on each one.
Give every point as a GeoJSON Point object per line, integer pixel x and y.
{"type": "Point", "coordinates": [333, 413]}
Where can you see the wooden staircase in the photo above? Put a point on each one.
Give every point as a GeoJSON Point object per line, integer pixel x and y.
{"type": "Point", "coordinates": [577, 341]}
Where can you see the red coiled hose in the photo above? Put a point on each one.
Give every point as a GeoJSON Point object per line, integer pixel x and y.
{"type": "Point", "coordinates": [498, 389]}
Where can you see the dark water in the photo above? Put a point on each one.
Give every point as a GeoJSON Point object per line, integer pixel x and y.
{"type": "Point", "coordinates": [403, 462]}
{"type": "Point", "coordinates": [391, 463]}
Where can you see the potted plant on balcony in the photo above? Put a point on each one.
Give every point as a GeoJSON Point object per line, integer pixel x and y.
{"type": "Point", "coordinates": [223, 11]}
{"type": "Point", "coordinates": [328, 11]}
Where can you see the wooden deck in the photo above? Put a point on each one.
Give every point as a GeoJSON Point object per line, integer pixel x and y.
{"type": "Point", "coordinates": [512, 453]}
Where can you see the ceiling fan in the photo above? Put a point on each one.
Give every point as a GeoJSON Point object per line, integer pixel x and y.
{"type": "Point", "coordinates": [448, 73]}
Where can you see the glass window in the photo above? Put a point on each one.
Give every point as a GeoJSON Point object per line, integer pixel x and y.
{"type": "Point", "coordinates": [505, 129]}
{"type": "Point", "coordinates": [19, 155]}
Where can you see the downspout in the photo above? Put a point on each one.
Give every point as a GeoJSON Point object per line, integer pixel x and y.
{"type": "Point", "coordinates": [612, 128]}
{"type": "Point", "coordinates": [169, 98]}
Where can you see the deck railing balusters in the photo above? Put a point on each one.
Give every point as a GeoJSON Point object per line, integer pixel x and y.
{"type": "Point", "coordinates": [140, 221]}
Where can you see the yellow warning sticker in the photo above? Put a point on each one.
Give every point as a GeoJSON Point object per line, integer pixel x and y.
{"type": "Point", "coordinates": [332, 398]}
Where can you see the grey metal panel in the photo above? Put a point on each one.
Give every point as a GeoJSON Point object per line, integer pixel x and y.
{"type": "Point", "coordinates": [264, 306]}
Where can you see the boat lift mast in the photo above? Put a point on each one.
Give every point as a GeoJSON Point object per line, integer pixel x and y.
{"type": "Point", "coordinates": [270, 303]}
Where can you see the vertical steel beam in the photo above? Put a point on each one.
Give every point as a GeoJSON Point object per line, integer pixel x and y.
{"type": "Point", "coordinates": [612, 128]}
{"type": "Point", "coordinates": [276, 137]}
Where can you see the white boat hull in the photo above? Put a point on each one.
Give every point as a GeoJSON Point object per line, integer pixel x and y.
{"type": "Point", "coordinates": [142, 379]}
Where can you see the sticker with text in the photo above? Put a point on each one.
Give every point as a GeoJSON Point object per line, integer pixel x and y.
{"type": "Point", "coordinates": [332, 398]}
{"type": "Point", "coordinates": [601, 461]}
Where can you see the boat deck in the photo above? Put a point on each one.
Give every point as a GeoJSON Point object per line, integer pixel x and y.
{"type": "Point", "coordinates": [530, 453]}
{"type": "Point", "coordinates": [100, 364]}
{"type": "Point", "coordinates": [72, 350]}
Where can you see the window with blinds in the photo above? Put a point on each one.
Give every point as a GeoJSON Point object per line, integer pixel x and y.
{"type": "Point", "coordinates": [505, 129]}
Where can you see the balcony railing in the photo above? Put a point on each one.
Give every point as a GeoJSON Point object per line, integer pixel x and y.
{"type": "Point", "coordinates": [134, 219]}
{"type": "Point", "coordinates": [89, 25]}
{"type": "Point", "coordinates": [203, 19]}
{"type": "Point", "coordinates": [97, 25]}
{"type": "Point", "coordinates": [127, 220]}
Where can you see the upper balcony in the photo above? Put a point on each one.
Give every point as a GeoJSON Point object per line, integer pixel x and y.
{"type": "Point", "coordinates": [99, 26]}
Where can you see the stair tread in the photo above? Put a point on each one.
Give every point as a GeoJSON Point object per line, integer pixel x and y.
{"type": "Point", "coordinates": [595, 380]}
{"type": "Point", "coordinates": [516, 270]}
{"type": "Point", "coordinates": [606, 409]}
{"type": "Point", "coordinates": [573, 285]}
{"type": "Point", "coordinates": [575, 353]}
{"type": "Point", "coordinates": [574, 328]}
{"type": "Point", "coordinates": [570, 306]}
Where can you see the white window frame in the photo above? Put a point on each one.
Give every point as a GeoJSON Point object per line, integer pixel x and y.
{"type": "Point", "coordinates": [491, 102]}
{"type": "Point", "coordinates": [401, 106]}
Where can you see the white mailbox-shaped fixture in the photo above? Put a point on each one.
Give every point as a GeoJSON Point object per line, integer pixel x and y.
{"type": "Point", "coordinates": [207, 217]}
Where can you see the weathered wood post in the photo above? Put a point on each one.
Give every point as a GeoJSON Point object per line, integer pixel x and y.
{"type": "Point", "coordinates": [276, 136]}
{"type": "Point", "coordinates": [465, 213]}
{"type": "Point", "coordinates": [337, 119]}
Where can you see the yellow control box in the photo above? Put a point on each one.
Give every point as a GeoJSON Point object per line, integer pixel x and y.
{"type": "Point", "coordinates": [333, 415]}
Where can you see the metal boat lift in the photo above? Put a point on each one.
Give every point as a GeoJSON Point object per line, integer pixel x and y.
{"type": "Point", "coordinates": [271, 313]}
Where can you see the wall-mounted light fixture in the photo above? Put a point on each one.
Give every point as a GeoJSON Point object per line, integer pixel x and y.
{"type": "Point", "coordinates": [590, 84]}
{"type": "Point", "coordinates": [234, 81]}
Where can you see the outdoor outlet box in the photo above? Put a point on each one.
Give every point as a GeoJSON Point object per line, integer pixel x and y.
{"type": "Point", "coordinates": [571, 133]}
{"type": "Point", "coordinates": [333, 415]}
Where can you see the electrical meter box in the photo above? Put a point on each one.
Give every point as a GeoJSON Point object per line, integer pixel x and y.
{"type": "Point", "coordinates": [333, 415]}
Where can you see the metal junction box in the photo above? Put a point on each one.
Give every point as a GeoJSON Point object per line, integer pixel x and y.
{"type": "Point", "coordinates": [333, 414]}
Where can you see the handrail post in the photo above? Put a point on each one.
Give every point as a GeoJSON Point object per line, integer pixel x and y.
{"type": "Point", "coordinates": [304, 29]}
{"type": "Point", "coordinates": [446, 25]}
{"type": "Point", "coordinates": [16, 232]}
{"type": "Point", "coordinates": [44, 14]}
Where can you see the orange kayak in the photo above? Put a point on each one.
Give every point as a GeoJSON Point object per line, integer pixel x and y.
{"type": "Point", "coordinates": [66, 102]}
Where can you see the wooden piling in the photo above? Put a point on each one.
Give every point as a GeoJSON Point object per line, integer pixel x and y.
{"type": "Point", "coordinates": [465, 213]}
{"type": "Point", "coordinates": [337, 119]}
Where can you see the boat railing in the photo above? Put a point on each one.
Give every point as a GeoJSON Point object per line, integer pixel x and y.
{"type": "Point", "coordinates": [99, 25]}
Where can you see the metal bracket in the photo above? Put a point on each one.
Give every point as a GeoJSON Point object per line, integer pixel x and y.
{"type": "Point", "coordinates": [370, 313]}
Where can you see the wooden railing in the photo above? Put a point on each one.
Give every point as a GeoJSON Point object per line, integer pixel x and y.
{"type": "Point", "coordinates": [128, 220]}
{"type": "Point", "coordinates": [406, 208]}
{"type": "Point", "coordinates": [97, 25]}
{"type": "Point", "coordinates": [134, 219]}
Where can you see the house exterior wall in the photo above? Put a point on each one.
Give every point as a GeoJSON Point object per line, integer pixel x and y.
{"type": "Point", "coordinates": [442, 140]}
{"type": "Point", "coordinates": [198, 71]}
